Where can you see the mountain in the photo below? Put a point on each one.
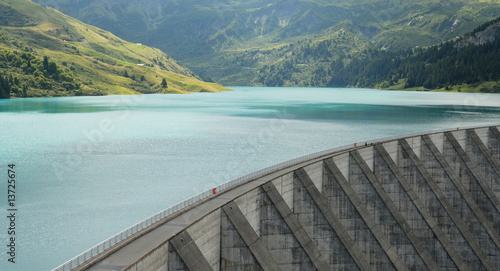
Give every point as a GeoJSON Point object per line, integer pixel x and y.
{"type": "Point", "coordinates": [468, 63]}
{"type": "Point", "coordinates": [46, 53]}
{"type": "Point", "coordinates": [235, 41]}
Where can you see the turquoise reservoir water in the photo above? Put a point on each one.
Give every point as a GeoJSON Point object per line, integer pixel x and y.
{"type": "Point", "coordinates": [89, 167]}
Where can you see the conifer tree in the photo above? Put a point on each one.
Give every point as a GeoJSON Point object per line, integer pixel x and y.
{"type": "Point", "coordinates": [46, 63]}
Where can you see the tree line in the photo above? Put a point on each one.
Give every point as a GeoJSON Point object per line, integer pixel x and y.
{"type": "Point", "coordinates": [5, 87]}
{"type": "Point", "coordinates": [23, 74]}
{"type": "Point", "coordinates": [441, 66]}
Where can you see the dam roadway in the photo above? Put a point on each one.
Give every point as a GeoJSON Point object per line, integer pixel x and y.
{"type": "Point", "coordinates": [422, 202]}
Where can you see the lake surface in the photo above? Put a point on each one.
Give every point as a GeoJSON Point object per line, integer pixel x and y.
{"type": "Point", "coordinates": [89, 167]}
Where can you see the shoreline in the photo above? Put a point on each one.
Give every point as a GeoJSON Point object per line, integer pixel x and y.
{"type": "Point", "coordinates": [494, 88]}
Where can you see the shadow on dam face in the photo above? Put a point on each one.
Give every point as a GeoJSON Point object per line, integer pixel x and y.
{"type": "Point", "coordinates": [426, 202]}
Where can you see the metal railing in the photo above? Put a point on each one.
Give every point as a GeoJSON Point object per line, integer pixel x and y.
{"type": "Point", "coordinates": [108, 243]}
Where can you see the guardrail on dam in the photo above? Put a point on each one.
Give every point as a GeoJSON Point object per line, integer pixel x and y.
{"type": "Point", "coordinates": [422, 202]}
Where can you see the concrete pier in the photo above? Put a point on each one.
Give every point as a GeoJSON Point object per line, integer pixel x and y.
{"type": "Point", "coordinates": [427, 202]}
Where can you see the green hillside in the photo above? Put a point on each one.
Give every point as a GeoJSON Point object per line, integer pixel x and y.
{"type": "Point", "coordinates": [235, 42]}
{"type": "Point", "coordinates": [46, 53]}
{"type": "Point", "coordinates": [468, 63]}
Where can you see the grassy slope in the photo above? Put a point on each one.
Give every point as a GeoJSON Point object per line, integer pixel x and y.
{"type": "Point", "coordinates": [97, 58]}
{"type": "Point", "coordinates": [231, 41]}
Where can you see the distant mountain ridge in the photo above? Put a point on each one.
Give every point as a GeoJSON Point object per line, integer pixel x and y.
{"type": "Point", "coordinates": [46, 53]}
{"type": "Point", "coordinates": [231, 40]}
{"type": "Point", "coordinates": [469, 63]}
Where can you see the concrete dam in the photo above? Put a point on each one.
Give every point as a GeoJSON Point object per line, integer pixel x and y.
{"type": "Point", "coordinates": [421, 202]}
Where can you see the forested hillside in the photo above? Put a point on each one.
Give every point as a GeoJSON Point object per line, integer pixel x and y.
{"type": "Point", "coordinates": [23, 74]}
{"type": "Point", "coordinates": [471, 62]}
{"type": "Point", "coordinates": [46, 53]}
{"type": "Point", "coordinates": [231, 41]}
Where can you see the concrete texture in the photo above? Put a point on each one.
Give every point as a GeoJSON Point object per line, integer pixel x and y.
{"type": "Point", "coordinates": [334, 240]}
{"type": "Point", "coordinates": [416, 212]}
{"type": "Point", "coordinates": [239, 242]}
{"type": "Point", "coordinates": [291, 231]}
{"type": "Point", "coordinates": [355, 218]}
{"type": "Point", "coordinates": [190, 252]}
{"type": "Point", "coordinates": [400, 233]}
{"type": "Point", "coordinates": [450, 219]}
{"type": "Point", "coordinates": [428, 202]}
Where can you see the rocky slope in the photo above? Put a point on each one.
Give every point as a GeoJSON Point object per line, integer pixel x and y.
{"type": "Point", "coordinates": [490, 34]}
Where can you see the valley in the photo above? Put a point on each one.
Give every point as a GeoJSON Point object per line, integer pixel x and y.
{"type": "Point", "coordinates": [238, 42]}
